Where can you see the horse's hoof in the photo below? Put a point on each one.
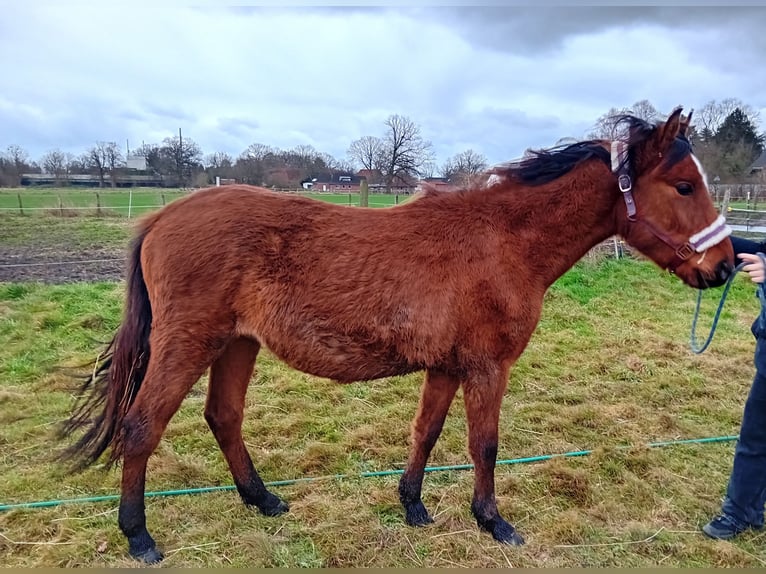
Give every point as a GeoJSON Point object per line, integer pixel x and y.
{"type": "Point", "coordinates": [502, 531]}
{"type": "Point", "coordinates": [150, 556]}
{"type": "Point", "coordinates": [511, 538]}
{"type": "Point", "coordinates": [417, 515]}
{"type": "Point", "coordinates": [271, 506]}
{"type": "Point", "coordinates": [506, 534]}
{"type": "Point", "coordinates": [275, 510]}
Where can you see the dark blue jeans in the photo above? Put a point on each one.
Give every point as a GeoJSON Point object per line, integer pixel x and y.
{"type": "Point", "coordinates": [746, 492]}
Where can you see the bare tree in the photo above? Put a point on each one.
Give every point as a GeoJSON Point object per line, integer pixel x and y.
{"type": "Point", "coordinates": [218, 160]}
{"type": "Point", "coordinates": [257, 151]}
{"type": "Point", "coordinates": [73, 164]}
{"type": "Point", "coordinates": [114, 161]}
{"type": "Point", "coordinates": [17, 160]}
{"type": "Point", "coordinates": [334, 164]}
{"type": "Point", "coordinates": [367, 151]}
{"type": "Point", "coordinates": [606, 125]}
{"type": "Point", "coordinates": [55, 162]}
{"type": "Point", "coordinates": [104, 158]}
{"type": "Point", "coordinates": [463, 166]}
{"type": "Point", "coordinates": [302, 156]}
{"type": "Point", "coordinates": [251, 164]}
{"type": "Point", "coordinates": [645, 110]}
{"type": "Point", "coordinates": [184, 154]}
{"type": "Point", "coordinates": [713, 113]}
{"type": "Point", "coordinates": [428, 169]}
{"type": "Point", "coordinates": [604, 128]}
{"type": "Point", "coordinates": [405, 150]}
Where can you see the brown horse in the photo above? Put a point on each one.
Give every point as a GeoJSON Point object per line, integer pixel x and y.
{"type": "Point", "coordinates": [451, 283]}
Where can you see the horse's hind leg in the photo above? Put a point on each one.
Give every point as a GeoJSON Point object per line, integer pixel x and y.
{"type": "Point", "coordinates": [229, 378]}
{"type": "Point", "coordinates": [482, 395]}
{"type": "Point", "coordinates": [177, 361]}
{"type": "Point", "coordinates": [435, 399]}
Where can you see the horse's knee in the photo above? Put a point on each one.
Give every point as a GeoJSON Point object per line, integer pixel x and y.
{"type": "Point", "coordinates": [220, 420]}
{"type": "Point", "coordinates": [138, 437]}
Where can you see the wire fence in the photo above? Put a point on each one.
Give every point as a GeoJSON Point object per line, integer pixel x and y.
{"type": "Point", "coordinates": [71, 262]}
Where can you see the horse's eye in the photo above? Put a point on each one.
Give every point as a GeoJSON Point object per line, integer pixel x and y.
{"type": "Point", "coordinates": [684, 188]}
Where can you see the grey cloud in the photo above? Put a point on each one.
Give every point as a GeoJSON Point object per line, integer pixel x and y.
{"type": "Point", "coordinates": [501, 134]}
{"type": "Point", "coordinates": [167, 111]}
{"type": "Point", "coordinates": [238, 127]}
{"type": "Point", "coordinates": [530, 30]}
{"type": "Point", "coordinates": [132, 116]}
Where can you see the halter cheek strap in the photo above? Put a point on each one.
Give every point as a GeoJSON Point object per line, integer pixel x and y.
{"type": "Point", "coordinates": [620, 169]}
{"type": "Point", "coordinates": [711, 235]}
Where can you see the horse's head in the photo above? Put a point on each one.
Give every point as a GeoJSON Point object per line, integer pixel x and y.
{"type": "Point", "coordinates": [668, 214]}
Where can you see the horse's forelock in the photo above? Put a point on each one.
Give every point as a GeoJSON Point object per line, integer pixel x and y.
{"type": "Point", "coordinates": [637, 131]}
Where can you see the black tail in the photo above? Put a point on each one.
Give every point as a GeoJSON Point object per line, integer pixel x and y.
{"type": "Point", "coordinates": [109, 391]}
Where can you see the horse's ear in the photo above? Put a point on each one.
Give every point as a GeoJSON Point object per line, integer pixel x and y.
{"type": "Point", "coordinates": [670, 129]}
{"type": "Point", "coordinates": [685, 123]}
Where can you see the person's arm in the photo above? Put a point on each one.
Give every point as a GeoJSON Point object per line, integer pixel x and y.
{"type": "Point", "coordinates": [742, 245]}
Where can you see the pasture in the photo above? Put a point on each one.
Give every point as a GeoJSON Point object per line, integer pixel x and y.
{"type": "Point", "coordinates": [126, 202]}
{"type": "Point", "coordinates": [608, 371]}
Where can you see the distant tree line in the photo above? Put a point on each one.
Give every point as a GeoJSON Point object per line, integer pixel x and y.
{"type": "Point", "coordinates": [397, 157]}
{"type": "Point", "coordinates": [724, 135]}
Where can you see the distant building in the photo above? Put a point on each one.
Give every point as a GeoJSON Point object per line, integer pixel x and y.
{"type": "Point", "coordinates": [335, 182]}
{"type": "Point", "coordinates": [758, 166]}
{"type": "Point", "coordinates": [91, 180]}
{"type": "Point", "coordinates": [438, 183]}
{"type": "Point", "coordinates": [137, 162]}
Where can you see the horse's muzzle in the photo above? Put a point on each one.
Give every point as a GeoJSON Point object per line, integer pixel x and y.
{"type": "Point", "coordinates": [722, 273]}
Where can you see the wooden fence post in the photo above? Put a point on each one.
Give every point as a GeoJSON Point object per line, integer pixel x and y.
{"type": "Point", "coordinates": [725, 202]}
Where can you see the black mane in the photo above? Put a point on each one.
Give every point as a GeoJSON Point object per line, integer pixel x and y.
{"type": "Point", "coordinates": [543, 166]}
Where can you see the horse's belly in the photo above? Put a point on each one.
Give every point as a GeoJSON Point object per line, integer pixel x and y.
{"type": "Point", "coordinates": [342, 360]}
{"type": "Point", "coordinates": [329, 345]}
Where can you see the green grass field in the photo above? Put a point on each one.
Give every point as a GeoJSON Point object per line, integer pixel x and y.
{"type": "Point", "coordinates": [125, 202]}
{"type": "Point", "coordinates": [608, 371]}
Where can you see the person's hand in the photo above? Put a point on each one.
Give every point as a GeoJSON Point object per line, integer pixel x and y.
{"type": "Point", "coordinates": [753, 267]}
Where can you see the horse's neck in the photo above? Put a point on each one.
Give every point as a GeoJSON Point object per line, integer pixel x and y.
{"type": "Point", "coordinates": [558, 223]}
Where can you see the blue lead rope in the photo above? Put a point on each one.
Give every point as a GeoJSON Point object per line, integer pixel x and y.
{"type": "Point", "coordinates": [761, 317]}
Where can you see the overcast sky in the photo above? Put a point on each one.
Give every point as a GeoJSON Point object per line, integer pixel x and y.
{"type": "Point", "coordinates": [494, 79]}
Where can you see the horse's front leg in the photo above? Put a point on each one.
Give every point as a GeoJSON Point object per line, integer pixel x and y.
{"type": "Point", "coordinates": [435, 399]}
{"type": "Point", "coordinates": [482, 394]}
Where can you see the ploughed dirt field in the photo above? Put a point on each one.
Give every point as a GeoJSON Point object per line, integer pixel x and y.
{"type": "Point", "coordinates": [63, 250]}
{"type": "Point", "coordinates": [59, 264]}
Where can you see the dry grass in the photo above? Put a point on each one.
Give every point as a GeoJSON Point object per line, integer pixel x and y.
{"type": "Point", "coordinates": [608, 370]}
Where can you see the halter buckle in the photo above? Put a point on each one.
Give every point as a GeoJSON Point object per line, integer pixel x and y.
{"type": "Point", "coordinates": [685, 251]}
{"type": "Point", "coordinates": [623, 181]}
